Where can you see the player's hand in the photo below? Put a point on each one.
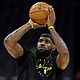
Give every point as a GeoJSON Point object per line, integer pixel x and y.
{"type": "Point", "coordinates": [36, 25]}
{"type": "Point", "coordinates": [51, 17]}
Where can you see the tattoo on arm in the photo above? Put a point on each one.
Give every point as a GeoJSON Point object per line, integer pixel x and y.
{"type": "Point", "coordinates": [11, 41]}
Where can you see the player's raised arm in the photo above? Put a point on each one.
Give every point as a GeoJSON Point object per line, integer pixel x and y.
{"type": "Point", "coordinates": [63, 56]}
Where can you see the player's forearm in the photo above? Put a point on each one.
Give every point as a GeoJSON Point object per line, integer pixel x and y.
{"type": "Point", "coordinates": [18, 33]}
{"type": "Point", "coordinates": [63, 56]}
{"type": "Point", "coordinates": [60, 44]}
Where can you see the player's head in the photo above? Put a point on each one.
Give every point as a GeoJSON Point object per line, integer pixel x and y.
{"type": "Point", "coordinates": [45, 43]}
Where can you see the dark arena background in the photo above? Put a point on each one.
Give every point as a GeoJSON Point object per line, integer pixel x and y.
{"type": "Point", "coordinates": [15, 13]}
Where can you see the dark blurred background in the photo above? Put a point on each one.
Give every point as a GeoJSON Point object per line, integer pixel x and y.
{"type": "Point", "coordinates": [14, 13]}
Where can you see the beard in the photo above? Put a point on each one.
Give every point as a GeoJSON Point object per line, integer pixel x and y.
{"type": "Point", "coordinates": [43, 54]}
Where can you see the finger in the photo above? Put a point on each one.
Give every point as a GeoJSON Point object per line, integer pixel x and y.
{"type": "Point", "coordinates": [42, 25]}
{"type": "Point", "coordinates": [50, 8]}
{"type": "Point", "coordinates": [47, 9]}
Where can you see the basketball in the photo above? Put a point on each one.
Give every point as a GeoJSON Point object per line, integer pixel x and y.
{"type": "Point", "coordinates": [39, 13]}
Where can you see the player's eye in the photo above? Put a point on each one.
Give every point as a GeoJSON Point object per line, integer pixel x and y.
{"type": "Point", "coordinates": [40, 40]}
{"type": "Point", "coordinates": [47, 41]}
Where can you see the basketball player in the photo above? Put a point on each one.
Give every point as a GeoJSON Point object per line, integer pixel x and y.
{"type": "Point", "coordinates": [50, 59]}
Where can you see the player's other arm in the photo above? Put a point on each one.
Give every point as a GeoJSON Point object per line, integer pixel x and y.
{"type": "Point", "coordinates": [63, 56]}
{"type": "Point", "coordinates": [11, 41]}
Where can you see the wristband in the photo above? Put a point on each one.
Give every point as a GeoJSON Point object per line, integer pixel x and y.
{"type": "Point", "coordinates": [30, 22]}
{"type": "Point", "coordinates": [50, 27]}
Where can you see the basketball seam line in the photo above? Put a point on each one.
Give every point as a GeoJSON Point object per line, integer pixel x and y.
{"type": "Point", "coordinates": [38, 19]}
{"type": "Point", "coordinates": [38, 11]}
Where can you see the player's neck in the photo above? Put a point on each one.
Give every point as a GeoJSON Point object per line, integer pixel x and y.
{"type": "Point", "coordinates": [43, 55]}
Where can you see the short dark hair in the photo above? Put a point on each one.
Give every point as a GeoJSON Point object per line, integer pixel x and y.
{"type": "Point", "coordinates": [47, 35]}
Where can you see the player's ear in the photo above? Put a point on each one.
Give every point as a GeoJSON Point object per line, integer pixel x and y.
{"type": "Point", "coordinates": [53, 47]}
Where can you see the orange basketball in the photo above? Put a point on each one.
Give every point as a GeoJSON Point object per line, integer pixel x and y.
{"type": "Point", "coordinates": [39, 13]}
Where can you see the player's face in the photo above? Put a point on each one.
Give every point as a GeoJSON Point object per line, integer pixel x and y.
{"type": "Point", "coordinates": [44, 44]}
